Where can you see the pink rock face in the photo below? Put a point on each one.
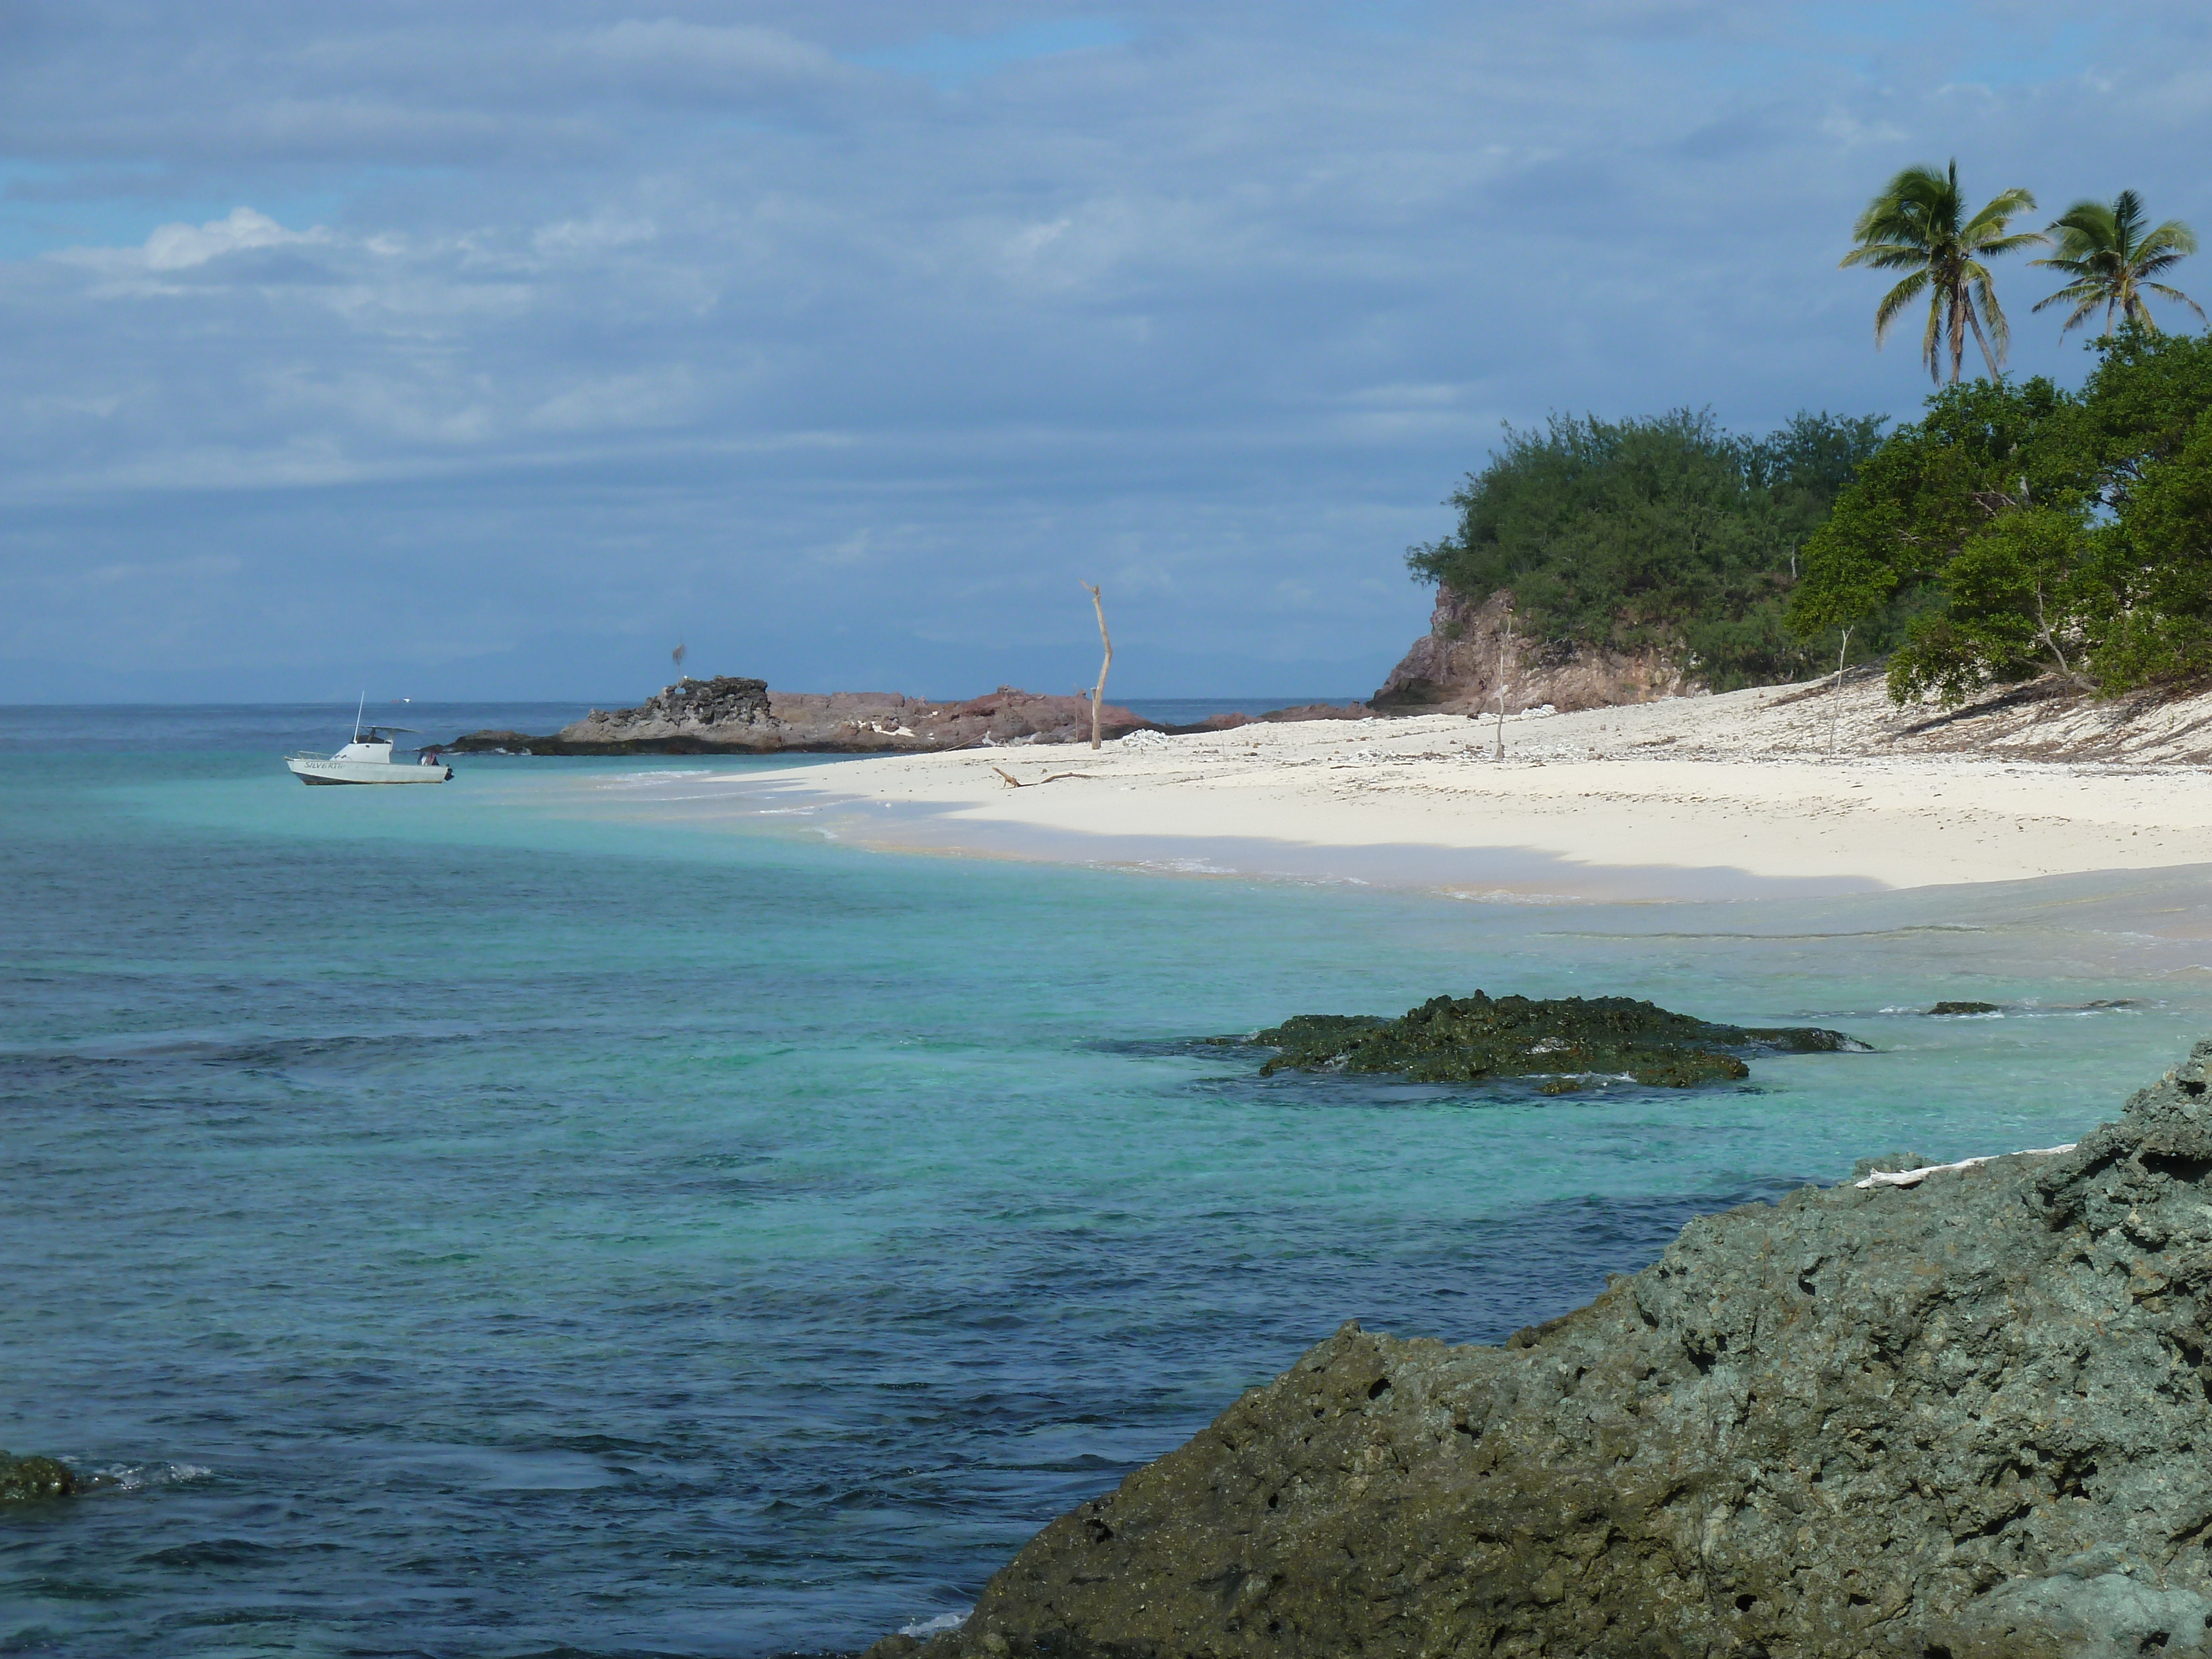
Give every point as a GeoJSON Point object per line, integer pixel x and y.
{"type": "Point", "coordinates": [1453, 668]}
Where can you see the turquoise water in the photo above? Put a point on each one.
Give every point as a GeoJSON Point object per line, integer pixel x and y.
{"type": "Point", "coordinates": [462, 1224]}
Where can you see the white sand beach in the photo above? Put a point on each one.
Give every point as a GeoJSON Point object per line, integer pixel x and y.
{"type": "Point", "coordinates": [1699, 796]}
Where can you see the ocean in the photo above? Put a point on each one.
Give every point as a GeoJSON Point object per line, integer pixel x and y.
{"type": "Point", "coordinates": [466, 1221]}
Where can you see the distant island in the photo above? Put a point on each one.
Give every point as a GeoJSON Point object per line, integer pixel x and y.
{"type": "Point", "coordinates": [730, 715]}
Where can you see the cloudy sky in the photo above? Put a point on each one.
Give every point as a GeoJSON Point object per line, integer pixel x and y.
{"type": "Point", "coordinates": [487, 347]}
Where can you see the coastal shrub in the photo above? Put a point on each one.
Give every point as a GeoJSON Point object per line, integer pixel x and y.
{"type": "Point", "coordinates": [1663, 532]}
{"type": "Point", "coordinates": [2017, 529]}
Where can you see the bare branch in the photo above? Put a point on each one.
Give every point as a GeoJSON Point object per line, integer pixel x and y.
{"type": "Point", "coordinates": [1098, 695]}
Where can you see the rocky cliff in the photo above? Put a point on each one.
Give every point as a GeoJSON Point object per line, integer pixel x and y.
{"type": "Point", "coordinates": [1455, 667]}
{"type": "Point", "coordinates": [1964, 1420]}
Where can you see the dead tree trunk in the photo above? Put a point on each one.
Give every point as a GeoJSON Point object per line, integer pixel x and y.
{"type": "Point", "coordinates": [1835, 702]}
{"type": "Point", "coordinates": [1099, 694]}
{"type": "Point", "coordinates": [1504, 642]}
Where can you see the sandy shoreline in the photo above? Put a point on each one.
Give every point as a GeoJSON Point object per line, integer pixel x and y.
{"type": "Point", "coordinates": [1704, 797]}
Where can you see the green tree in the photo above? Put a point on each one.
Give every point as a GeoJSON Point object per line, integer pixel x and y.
{"type": "Point", "coordinates": [1918, 224]}
{"type": "Point", "coordinates": [2110, 259]}
{"type": "Point", "coordinates": [2158, 572]}
{"type": "Point", "coordinates": [2139, 406]}
{"type": "Point", "coordinates": [1664, 533]}
{"type": "Point", "coordinates": [1913, 504]}
{"type": "Point", "coordinates": [2017, 530]}
{"type": "Point", "coordinates": [2020, 596]}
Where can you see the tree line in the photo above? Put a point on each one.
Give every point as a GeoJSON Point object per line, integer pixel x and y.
{"type": "Point", "coordinates": [2015, 529]}
{"type": "Point", "coordinates": [1664, 533]}
{"type": "Point", "coordinates": [2018, 528]}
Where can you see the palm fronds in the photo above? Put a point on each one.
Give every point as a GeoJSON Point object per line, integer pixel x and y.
{"type": "Point", "coordinates": [2110, 260]}
{"type": "Point", "coordinates": [1919, 224]}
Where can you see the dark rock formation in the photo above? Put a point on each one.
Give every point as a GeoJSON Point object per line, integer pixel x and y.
{"type": "Point", "coordinates": [1968, 1419]}
{"type": "Point", "coordinates": [23, 1479]}
{"type": "Point", "coordinates": [1453, 668]}
{"type": "Point", "coordinates": [1570, 1040]}
{"type": "Point", "coordinates": [1947, 1008]}
{"type": "Point", "coordinates": [732, 715]}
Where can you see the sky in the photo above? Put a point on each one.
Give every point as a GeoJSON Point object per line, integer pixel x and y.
{"type": "Point", "coordinates": [489, 348]}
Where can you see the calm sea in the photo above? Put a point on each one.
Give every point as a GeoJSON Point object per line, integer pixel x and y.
{"type": "Point", "coordinates": [460, 1224]}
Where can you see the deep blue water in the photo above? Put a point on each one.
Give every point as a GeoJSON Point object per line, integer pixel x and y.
{"type": "Point", "coordinates": [462, 1225]}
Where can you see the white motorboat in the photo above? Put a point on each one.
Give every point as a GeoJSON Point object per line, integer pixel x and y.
{"type": "Point", "coordinates": [367, 759]}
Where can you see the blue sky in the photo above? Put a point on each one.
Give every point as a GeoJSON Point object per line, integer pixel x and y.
{"type": "Point", "coordinates": [486, 349]}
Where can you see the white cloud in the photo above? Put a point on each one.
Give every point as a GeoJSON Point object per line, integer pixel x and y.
{"type": "Point", "coordinates": [179, 247]}
{"type": "Point", "coordinates": [572, 238]}
{"type": "Point", "coordinates": [1236, 305]}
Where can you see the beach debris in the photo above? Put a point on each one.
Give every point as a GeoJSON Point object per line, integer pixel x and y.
{"type": "Point", "coordinates": [24, 1479]}
{"type": "Point", "coordinates": [1054, 777]}
{"type": "Point", "coordinates": [1573, 1042]}
{"type": "Point", "coordinates": [1914, 1177]}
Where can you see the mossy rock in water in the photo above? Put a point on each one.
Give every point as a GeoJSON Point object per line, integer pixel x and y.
{"type": "Point", "coordinates": [1570, 1040]}
{"type": "Point", "coordinates": [26, 1478]}
{"type": "Point", "coordinates": [1966, 1008]}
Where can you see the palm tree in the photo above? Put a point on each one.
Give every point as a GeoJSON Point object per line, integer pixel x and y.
{"type": "Point", "coordinates": [2112, 260]}
{"type": "Point", "coordinates": [1915, 225]}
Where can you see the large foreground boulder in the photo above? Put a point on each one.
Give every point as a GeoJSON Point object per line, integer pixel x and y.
{"type": "Point", "coordinates": [1967, 1418]}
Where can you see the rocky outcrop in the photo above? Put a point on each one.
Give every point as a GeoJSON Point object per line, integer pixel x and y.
{"type": "Point", "coordinates": [730, 715]}
{"type": "Point", "coordinates": [1965, 1418]}
{"type": "Point", "coordinates": [1453, 668]}
{"type": "Point", "coordinates": [1571, 1042]}
{"type": "Point", "coordinates": [24, 1479]}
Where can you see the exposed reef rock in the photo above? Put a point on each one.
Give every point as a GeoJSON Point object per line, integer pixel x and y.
{"type": "Point", "coordinates": [1943, 1009]}
{"type": "Point", "coordinates": [730, 715]}
{"type": "Point", "coordinates": [1454, 667]}
{"type": "Point", "coordinates": [1570, 1040]}
{"type": "Point", "coordinates": [23, 1479]}
{"type": "Point", "coordinates": [1965, 1418]}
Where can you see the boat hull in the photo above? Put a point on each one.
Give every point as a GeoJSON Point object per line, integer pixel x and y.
{"type": "Point", "coordinates": [354, 771]}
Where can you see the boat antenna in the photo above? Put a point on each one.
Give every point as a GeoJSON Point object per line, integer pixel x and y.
{"type": "Point", "coordinates": [358, 707]}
